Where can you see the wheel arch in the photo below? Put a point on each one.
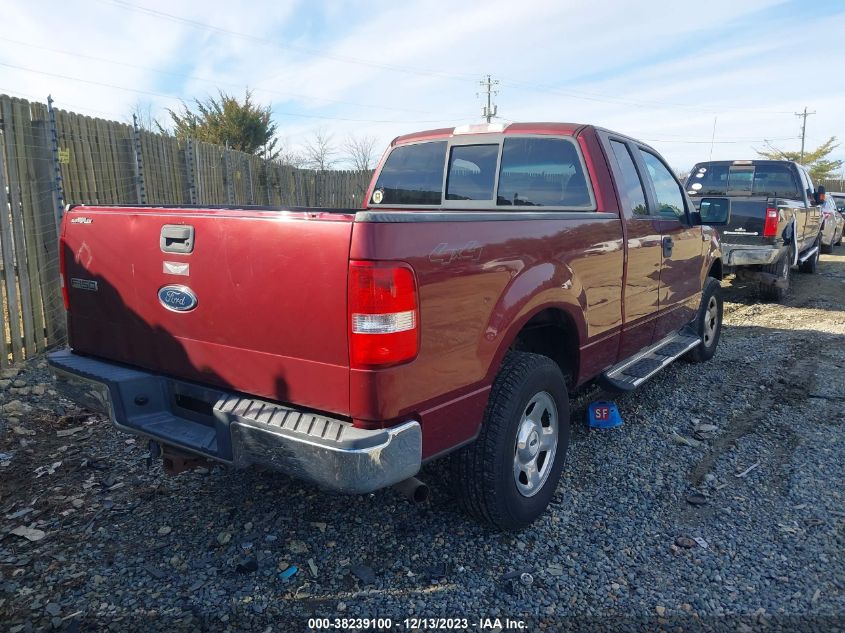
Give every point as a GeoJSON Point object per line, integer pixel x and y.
{"type": "Point", "coordinates": [716, 271]}
{"type": "Point", "coordinates": [549, 330]}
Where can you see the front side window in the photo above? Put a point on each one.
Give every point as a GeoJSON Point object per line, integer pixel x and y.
{"type": "Point", "coordinates": [472, 172]}
{"type": "Point", "coordinates": [542, 172]}
{"type": "Point", "coordinates": [412, 174]}
{"type": "Point", "coordinates": [670, 200]}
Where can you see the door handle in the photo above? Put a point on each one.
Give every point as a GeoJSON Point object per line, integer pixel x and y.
{"type": "Point", "coordinates": [668, 243]}
{"type": "Point", "coordinates": [177, 238]}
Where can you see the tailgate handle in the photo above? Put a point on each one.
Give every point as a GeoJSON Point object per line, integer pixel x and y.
{"type": "Point", "coordinates": [177, 238]}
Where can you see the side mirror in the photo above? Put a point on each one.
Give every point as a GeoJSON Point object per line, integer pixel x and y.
{"type": "Point", "coordinates": [818, 195]}
{"type": "Point", "coordinates": [715, 211]}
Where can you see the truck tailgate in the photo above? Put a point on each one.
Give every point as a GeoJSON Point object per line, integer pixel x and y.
{"type": "Point", "coordinates": [748, 215]}
{"type": "Point", "coordinates": [270, 297]}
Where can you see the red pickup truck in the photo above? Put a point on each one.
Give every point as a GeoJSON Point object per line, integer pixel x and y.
{"type": "Point", "coordinates": [492, 270]}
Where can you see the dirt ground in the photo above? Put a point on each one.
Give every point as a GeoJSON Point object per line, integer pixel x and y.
{"type": "Point", "coordinates": [94, 536]}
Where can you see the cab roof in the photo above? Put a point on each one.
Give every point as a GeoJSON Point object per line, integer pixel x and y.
{"type": "Point", "coordinates": [562, 129]}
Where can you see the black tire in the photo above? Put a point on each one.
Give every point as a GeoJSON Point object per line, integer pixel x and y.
{"type": "Point", "coordinates": [811, 264]}
{"type": "Point", "coordinates": [484, 472]}
{"type": "Point", "coordinates": [781, 268]}
{"type": "Point", "coordinates": [826, 249]}
{"type": "Point", "coordinates": [708, 324]}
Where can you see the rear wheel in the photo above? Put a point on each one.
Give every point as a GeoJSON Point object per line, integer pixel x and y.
{"type": "Point", "coordinates": [782, 270]}
{"type": "Point", "coordinates": [508, 475]}
{"type": "Point", "coordinates": [708, 323]}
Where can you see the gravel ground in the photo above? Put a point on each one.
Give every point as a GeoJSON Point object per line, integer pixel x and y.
{"type": "Point", "coordinates": [119, 545]}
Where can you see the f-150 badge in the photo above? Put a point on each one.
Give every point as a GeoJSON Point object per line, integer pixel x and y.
{"type": "Point", "coordinates": [177, 298]}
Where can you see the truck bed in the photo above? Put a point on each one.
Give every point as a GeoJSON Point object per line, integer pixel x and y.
{"type": "Point", "coordinates": [258, 325]}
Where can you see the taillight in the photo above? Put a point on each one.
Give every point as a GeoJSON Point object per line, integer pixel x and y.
{"type": "Point", "coordinates": [63, 273]}
{"type": "Point", "coordinates": [383, 314]}
{"type": "Point", "coordinates": [770, 228]}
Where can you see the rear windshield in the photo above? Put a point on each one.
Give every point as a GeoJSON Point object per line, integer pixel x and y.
{"type": "Point", "coordinates": [720, 179]}
{"type": "Point", "coordinates": [412, 174]}
{"type": "Point", "coordinates": [534, 172]}
{"type": "Point", "coordinates": [840, 203]}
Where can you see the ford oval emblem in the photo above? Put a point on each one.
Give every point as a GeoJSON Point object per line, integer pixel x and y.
{"type": "Point", "coordinates": [177, 298]}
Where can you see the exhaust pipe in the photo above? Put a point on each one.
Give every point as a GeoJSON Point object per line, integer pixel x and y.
{"type": "Point", "coordinates": [413, 490]}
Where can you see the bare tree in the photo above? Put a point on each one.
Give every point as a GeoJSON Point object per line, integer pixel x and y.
{"type": "Point", "coordinates": [143, 112]}
{"type": "Point", "coordinates": [320, 151]}
{"type": "Point", "coordinates": [360, 152]}
{"type": "Point", "coordinates": [287, 156]}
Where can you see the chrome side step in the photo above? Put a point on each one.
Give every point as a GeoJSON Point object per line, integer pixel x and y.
{"type": "Point", "coordinates": [803, 258]}
{"type": "Point", "coordinates": [634, 371]}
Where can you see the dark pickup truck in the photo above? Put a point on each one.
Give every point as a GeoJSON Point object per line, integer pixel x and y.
{"type": "Point", "coordinates": [492, 270]}
{"type": "Point", "coordinates": [775, 218]}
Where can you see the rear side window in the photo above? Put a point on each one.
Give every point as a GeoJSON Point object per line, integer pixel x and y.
{"type": "Point", "coordinates": [542, 172]}
{"type": "Point", "coordinates": [670, 200]}
{"type": "Point", "coordinates": [472, 172]}
{"type": "Point", "coordinates": [412, 174]}
{"type": "Point", "coordinates": [631, 185]}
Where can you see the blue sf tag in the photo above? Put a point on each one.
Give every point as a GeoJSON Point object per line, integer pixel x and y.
{"type": "Point", "coordinates": [603, 415]}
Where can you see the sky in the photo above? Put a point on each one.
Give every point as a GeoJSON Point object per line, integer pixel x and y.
{"type": "Point", "coordinates": [696, 80]}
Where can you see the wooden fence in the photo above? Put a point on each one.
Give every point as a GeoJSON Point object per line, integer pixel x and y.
{"type": "Point", "coordinates": [834, 184]}
{"type": "Point", "coordinates": [80, 159]}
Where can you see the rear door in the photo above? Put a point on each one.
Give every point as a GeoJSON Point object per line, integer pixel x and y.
{"type": "Point", "coordinates": [679, 289]}
{"type": "Point", "coordinates": [252, 301]}
{"type": "Point", "coordinates": [643, 248]}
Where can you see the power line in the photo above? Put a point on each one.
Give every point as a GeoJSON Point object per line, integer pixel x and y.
{"type": "Point", "coordinates": [131, 6]}
{"type": "Point", "coordinates": [123, 4]}
{"type": "Point", "coordinates": [640, 103]}
{"type": "Point", "coordinates": [172, 98]}
{"type": "Point", "coordinates": [203, 79]}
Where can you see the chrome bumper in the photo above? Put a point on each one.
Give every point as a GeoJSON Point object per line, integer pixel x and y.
{"type": "Point", "coordinates": [747, 255]}
{"type": "Point", "coordinates": [241, 431]}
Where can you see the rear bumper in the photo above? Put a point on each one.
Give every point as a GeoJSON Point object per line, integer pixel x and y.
{"type": "Point", "coordinates": [239, 430]}
{"type": "Point", "coordinates": [749, 255]}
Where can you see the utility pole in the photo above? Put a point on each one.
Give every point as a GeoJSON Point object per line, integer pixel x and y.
{"type": "Point", "coordinates": [138, 164]}
{"type": "Point", "coordinates": [804, 115]}
{"type": "Point", "coordinates": [490, 110]}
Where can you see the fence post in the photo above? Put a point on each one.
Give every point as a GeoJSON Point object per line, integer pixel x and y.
{"type": "Point", "coordinates": [58, 185]}
{"type": "Point", "coordinates": [227, 163]}
{"type": "Point", "coordinates": [249, 180]}
{"type": "Point", "coordinates": [9, 268]}
{"type": "Point", "coordinates": [189, 164]}
{"type": "Point", "coordinates": [138, 163]}
{"type": "Point", "coordinates": [267, 178]}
